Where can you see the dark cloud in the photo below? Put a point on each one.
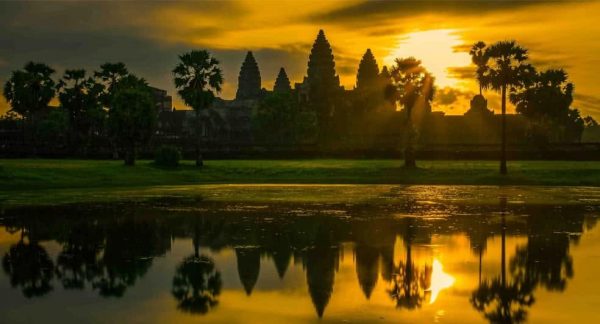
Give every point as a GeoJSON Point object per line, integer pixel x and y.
{"type": "Point", "coordinates": [87, 34]}
{"type": "Point", "coordinates": [447, 96]}
{"type": "Point", "coordinates": [462, 72]}
{"type": "Point", "coordinates": [590, 101]}
{"type": "Point", "coordinates": [377, 11]}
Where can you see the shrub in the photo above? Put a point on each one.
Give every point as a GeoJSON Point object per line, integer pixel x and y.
{"type": "Point", "coordinates": [167, 156]}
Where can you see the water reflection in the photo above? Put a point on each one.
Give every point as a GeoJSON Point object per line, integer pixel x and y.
{"type": "Point", "coordinates": [111, 248]}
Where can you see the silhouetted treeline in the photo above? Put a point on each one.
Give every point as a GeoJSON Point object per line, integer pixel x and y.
{"type": "Point", "coordinates": [110, 110]}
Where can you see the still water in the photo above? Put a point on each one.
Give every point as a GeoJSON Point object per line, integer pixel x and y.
{"type": "Point", "coordinates": [511, 256]}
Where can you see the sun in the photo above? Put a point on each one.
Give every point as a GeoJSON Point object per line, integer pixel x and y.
{"type": "Point", "coordinates": [437, 50]}
{"type": "Point", "coordinates": [440, 280]}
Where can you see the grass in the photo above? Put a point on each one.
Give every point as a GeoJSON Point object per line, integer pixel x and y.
{"type": "Point", "coordinates": [32, 174]}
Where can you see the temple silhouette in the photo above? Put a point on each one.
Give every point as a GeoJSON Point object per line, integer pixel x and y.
{"type": "Point", "coordinates": [229, 122]}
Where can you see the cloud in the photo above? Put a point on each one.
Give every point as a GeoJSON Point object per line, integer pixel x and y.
{"type": "Point", "coordinates": [462, 72]}
{"type": "Point", "coordinates": [377, 11]}
{"type": "Point", "coordinates": [448, 96]}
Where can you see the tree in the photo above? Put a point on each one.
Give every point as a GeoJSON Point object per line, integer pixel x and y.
{"type": "Point", "coordinates": [499, 299]}
{"type": "Point", "coordinates": [29, 91]}
{"type": "Point", "coordinates": [132, 117]}
{"type": "Point", "coordinates": [282, 83]}
{"type": "Point", "coordinates": [29, 266]}
{"type": "Point", "coordinates": [547, 101]}
{"type": "Point", "coordinates": [198, 78]}
{"type": "Point", "coordinates": [110, 74]}
{"type": "Point", "coordinates": [278, 118]}
{"type": "Point", "coordinates": [409, 282]}
{"type": "Point", "coordinates": [53, 129]}
{"type": "Point", "coordinates": [507, 69]}
{"type": "Point", "coordinates": [412, 87]}
{"type": "Point", "coordinates": [249, 79]}
{"type": "Point", "coordinates": [197, 282]}
{"type": "Point", "coordinates": [480, 59]}
{"type": "Point", "coordinates": [82, 100]}
{"type": "Point", "coordinates": [323, 84]}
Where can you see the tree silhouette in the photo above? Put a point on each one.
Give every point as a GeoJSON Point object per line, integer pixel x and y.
{"type": "Point", "coordinates": [130, 248]}
{"type": "Point", "coordinates": [29, 267]}
{"type": "Point", "coordinates": [82, 99]}
{"type": "Point", "coordinates": [198, 79]}
{"type": "Point", "coordinates": [278, 118]}
{"type": "Point", "coordinates": [249, 79]}
{"type": "Point", "coordinates": [480, 59]}
{"type": "Point", "coordinates": [412, 87]}
{"type": "Point", "coordinates": [110, 74]}
{"type": "Point", "coordinates": [29, 91]}
{"type": "Point", "coordinates": [79, 261]}
{"type": "Point", "coordinates": [501, 300]}
{"type": "Point", "coordinates": [197, 283]}
{"type": "Point", "coordinates": [546, 101]}
{"type": "Point", "coordinates": [507, 69]}
{"type": "Point", "coordinates": [132, 117]}
{"type": "Point", "coordinates": [409, 283]}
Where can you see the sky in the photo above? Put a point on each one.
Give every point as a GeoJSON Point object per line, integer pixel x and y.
{"type": "Point", "coordinates": [148, 36]}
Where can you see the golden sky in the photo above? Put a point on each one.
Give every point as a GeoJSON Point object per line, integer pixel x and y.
{"type": "Point", "coordinates": [148, 36]}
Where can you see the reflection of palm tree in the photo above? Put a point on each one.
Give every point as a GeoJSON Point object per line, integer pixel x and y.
{"type": "Point", "coordinates": [196, 284]}
{"type": "Point", "coordinates": [409, 284]}
{"type": "Point", "coordinates": [29, 267]}
{"type": "Point", "coordinates": [78, 261]}
{"type": "Point", "coordinates": [499, 300]}
{"type": "Point", "coordinates": [546, 260]}
{"type": "Point", "coordinates": [128, 254]}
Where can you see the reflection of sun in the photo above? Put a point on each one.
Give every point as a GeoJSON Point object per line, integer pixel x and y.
{"type": "Point", "coordinates": [435, 48]}
{"type": "Point", "coordinates": [439, 280]}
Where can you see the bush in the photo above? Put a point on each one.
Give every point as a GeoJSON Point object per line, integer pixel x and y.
{"type": "Point", "coordinates": [167, 156]}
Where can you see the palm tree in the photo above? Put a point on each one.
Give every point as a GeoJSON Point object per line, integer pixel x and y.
{"type": "Point", "coordinates": [507, 71]}
{"type": "Point", "coordinates": [197, 282]}
{"type": "Point", "coordinates": [29, 91]}
{"type": "Point", "coordinates": [480, 59]}
{"type": "Point", "coordinates": [412, 87]}
{"type": "Point", "coordinates": [198, 79]}
{"type": "Point", "coordinates": [502, 300]}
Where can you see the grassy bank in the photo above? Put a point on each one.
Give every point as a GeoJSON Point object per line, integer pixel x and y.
{"type": "Point", "coordinates": [31, 174]}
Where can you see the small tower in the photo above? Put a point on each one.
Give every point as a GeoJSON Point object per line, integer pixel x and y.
{"type": "Point", "coordinates": [282, 83]}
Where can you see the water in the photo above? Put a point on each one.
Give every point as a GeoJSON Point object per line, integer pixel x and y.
{"type": "Point", "coordinates": [415, 254]}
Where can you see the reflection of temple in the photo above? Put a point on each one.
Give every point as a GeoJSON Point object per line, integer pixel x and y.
{"type": "Point", "coordinates": [110, 252]}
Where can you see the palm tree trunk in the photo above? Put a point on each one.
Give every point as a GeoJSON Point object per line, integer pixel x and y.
{"type": "Point", "coordinates": [503, 251]}
{"type": "Point", "coordinates": [130, 155]}
{"type": "Point", "coordinates": [480, 258]}
{"type": "Point", "coordinates": [199, 161]}
{"type": "Point", "coordinates": [503, 169]}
